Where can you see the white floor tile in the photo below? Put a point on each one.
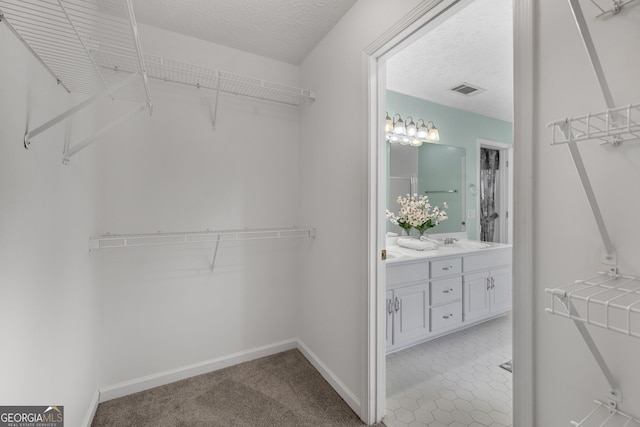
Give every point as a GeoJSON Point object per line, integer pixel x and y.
{"type": "Point", "coordinates": [453, 381]}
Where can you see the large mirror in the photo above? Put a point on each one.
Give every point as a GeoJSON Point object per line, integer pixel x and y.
{"type": "Point", "coordinates": [434, 170]}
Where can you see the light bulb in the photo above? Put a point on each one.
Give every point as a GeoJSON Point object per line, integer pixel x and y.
{"type": "Point", "coordinates": [398, 126]}
{"type": "Point", "coordinates": [411, 127]}
{"type": "Point", "coordinates": [434, 135]}
{"type": "Point", "coordinates": [388, 126]}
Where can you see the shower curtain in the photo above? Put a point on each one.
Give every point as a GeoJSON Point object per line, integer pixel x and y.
{"type": "Point", "coordinates": [489, 165]}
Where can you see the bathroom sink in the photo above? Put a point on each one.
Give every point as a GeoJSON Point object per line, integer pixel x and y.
{"type": "Point", "coordinates": [469, 244]}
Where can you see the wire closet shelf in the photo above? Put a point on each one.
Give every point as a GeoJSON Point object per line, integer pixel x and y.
{"type": "Point", "coordinates": [606, 300]}
{"type": "Point", "coordinates": [612, 126]}
{"type": "Point", "coordinates": [208, 236]}
{"type": "Point", "coordinates": [170, 70]}
{"type": "Point", "coordinates": [64, 36]}
{"type": "Point", "coordinates": [604, 415]}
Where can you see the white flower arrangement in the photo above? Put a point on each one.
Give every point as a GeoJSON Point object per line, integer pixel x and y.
{"type": "Point", "coordinates": [416, 212]}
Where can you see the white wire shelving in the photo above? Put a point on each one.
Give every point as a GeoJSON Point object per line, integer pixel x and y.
{"type": "Point", "coordinates": [108, 241]}
{"type": "Point", "coordinates": [606, 415]}
{"type": "Point", "coordinates": [606, 300]}
{"type": "Point", "coordinates": [613, 126]}
{"type": "Point", "coordinates": [63, 35]}
{"type": "Point", "coordinates": [116, 59]}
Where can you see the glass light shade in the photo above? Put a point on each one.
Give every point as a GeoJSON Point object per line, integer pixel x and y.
{"type": "Point", "coordinates": [398, 126]}
{"type": "Point", "coordinates": [433, 134]}
{"type": "Point", "coordinates": [404, 140]}
{"type": "Point", "coordinates": [388, 127]}
{"type": "Point", "coordinates": [411, 127]}
{"type": "Point", "coordinates": [415, 142]}
{"type": "Point", "coordinates": [422, 132]}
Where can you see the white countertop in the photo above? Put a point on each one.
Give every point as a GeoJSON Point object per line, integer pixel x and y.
{"type": "Point", "coordinates": [397, 254]}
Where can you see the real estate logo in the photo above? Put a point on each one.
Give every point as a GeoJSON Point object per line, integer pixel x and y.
{"type": "Point", "coordinates": [31, 416]}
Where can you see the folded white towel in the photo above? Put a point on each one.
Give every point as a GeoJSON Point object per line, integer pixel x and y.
{"type": "Point", "coordinates": [417, 245]}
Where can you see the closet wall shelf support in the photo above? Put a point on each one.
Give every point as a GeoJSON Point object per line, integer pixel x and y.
{"type": "Point", "coordinates": [108, 241]}
{"type": "Point", "coordinates": [64, 35]}
{"type": "Point", "coordinates": [606, 414]}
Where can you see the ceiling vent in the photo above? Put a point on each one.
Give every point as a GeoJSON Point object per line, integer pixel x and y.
{"type": "Point", "coordinates": [467, 89]}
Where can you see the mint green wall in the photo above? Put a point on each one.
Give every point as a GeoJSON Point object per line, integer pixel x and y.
{"type": "Point", "coordinates": [457, 127]}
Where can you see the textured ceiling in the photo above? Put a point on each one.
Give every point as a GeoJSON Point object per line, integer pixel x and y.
{"type": "Point", "coordinates": [286, 30]}
{"type": "Point", "coordinates": [473, 46]}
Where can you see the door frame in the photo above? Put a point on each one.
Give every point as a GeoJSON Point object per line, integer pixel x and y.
{"type": "Point", "coordinates": [506, 190]}
{"type": "Point", "coordinates": [373, 404]}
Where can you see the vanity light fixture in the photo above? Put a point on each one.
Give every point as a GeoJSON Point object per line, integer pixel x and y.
{"type": "Point", "coordinates": [410, 133]}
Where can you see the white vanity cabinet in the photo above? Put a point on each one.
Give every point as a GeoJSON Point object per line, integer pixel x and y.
{"type": "Point", "coordinates": [487, 285]}
{"type": "Point", "coordinates": [437, 294]}
{"type": "Point", "coordinates": [407, 303]}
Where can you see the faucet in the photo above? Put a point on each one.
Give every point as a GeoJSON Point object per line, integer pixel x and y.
{"type": "Point", "coordinates": [449, 240]}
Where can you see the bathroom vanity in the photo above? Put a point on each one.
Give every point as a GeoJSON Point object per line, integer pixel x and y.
{"type": "Point", "coordinates": [435, 292]}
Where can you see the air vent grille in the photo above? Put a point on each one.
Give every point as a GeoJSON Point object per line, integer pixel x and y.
{"type": "Point", "coordinates": [467, 89]}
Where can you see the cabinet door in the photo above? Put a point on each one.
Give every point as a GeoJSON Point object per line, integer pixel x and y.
{"type": "Point", "coordinates": [389, 308]}
{"type": "Point", "coordinates": [411, 321]}
{"type": "Point", "coordinates": [476, 296]}
{"type": "Point", "coordinates": [500, 294]}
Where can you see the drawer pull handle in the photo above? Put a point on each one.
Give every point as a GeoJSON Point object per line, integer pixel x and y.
{"type": "Point", "coordinates": [446, 316]}
{"type": "Point", "coordinates": [446, 291]}
{"type": "Point", "coordinates": [448, 268]}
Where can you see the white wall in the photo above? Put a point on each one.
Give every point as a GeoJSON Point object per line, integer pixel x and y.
{"type": "Point", "coordinates": [567, 245]}
{"type": "Point", "coordinates": [162, 307]}
{"type": "Point", "coordinates": [333, 175]}
{"type": "Point", "coordinates": [49, 310]}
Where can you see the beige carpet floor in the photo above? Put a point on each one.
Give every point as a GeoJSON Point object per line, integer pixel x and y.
{"type": "Point", "coordinates": [280, 390]}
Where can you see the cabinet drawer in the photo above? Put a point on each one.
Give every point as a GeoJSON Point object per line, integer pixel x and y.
{"type": "Point", "coordinates": [446, 316]}
{"type": "Point", "coordinates": [445, 290]}
{"type": "Point", "coordinates": [407, 273]}
{"type": "Point", "coordinates": [487, 260]}
{"type": "Point", "coordinates": [446, 267]}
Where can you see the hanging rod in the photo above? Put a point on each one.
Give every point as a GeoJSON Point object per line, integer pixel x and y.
{"type": "Point", "coordinates": [440, 191]}
{"type": "Point", "coordinates": [107, 241]}
{"type": "Point", "coordinates": [63, 34]}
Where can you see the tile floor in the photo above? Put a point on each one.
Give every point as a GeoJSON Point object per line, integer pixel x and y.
{"type": "Point", "coordinates": [453, 381]}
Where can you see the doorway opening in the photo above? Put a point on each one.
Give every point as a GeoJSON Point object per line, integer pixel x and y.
{"type": "Point", "coordinates": [408, 103]}
{"type": "Point", "coordinates": [495, 185]}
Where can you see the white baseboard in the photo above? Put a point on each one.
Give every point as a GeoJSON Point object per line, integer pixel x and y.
{"type": "Point", "coordinates": [161, 378]}
{"type": "Point", "coordinates": [344, 392]}
{"type": "Point", "coordinates": [91, 412]}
